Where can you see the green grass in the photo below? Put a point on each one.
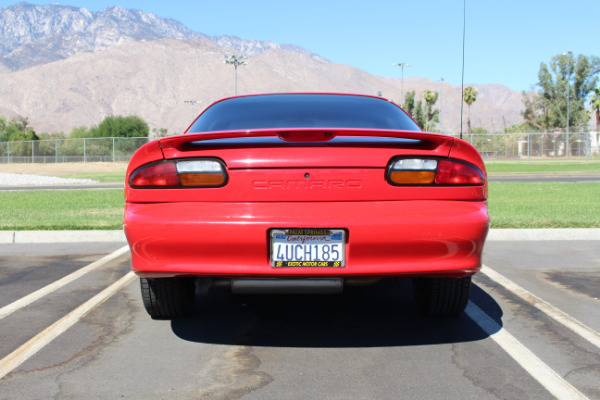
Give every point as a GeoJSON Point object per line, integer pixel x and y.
{"type": "Point", "coordinates": [61, 209]}
{"type": "Point", "coordinates": [511, 204]}
{"type": "Point", "coordinates": [544, 205]}
{"type": "Point", "coordinates": [542, 168]}
{"type": "Point", "coordinates": [104, 177]}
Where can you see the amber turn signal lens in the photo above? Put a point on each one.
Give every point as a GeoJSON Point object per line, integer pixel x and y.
{"type": "Point", "coordinates": [203, 179]}
{"type": "Point", "coordinates": [412, 177]}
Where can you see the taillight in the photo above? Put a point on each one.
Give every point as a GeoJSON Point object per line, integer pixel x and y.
{"type": "Point", "coordinates": [429, 171]}
{"type": "Point", "coordinates": [180, 173]}
{"type": "Point", "coordinates": [163, 174]}
{"type": "Point", "coordinates": [458, 173]}
{"type": "Point", "coordinates": [201, 173]}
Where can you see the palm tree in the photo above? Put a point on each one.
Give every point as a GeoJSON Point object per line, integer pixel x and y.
{"type": "Point", "coordinates": [595, 102]}
{"type": "Point", "coordinates": [469, 96]}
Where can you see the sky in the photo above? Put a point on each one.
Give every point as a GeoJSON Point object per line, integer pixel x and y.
{"type": "Point", "coordinates": [505, 41]}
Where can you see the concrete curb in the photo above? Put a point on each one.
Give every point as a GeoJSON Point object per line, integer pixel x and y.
{"type": "Point", "coordinates": [22, 237]}
{"type": "Point", "coordinates": [25, 237]}
{"type": "Point", "coordinates": [544, 234]}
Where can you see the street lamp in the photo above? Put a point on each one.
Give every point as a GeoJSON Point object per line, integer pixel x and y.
{"type": "Point", "coordinates": [235, 60]}
{"type": "Point", "coordinates": [402, 65]}
{"type": "Point", "coordinates": [569, 54]}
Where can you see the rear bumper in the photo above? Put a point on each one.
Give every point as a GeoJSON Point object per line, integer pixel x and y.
{"type": "Point", "coordinates": [385, 239]}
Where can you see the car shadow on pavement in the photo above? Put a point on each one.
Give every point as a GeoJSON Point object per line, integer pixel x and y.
{"type": "Point", "coordinates": [377, 316]}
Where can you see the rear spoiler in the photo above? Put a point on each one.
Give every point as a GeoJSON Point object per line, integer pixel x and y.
{"type": "Point", "coordinates": [326, 137]}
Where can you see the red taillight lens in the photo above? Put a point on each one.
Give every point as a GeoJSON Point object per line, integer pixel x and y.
{"type": "Point", "coordinates": [208, 173]}
{"type": "Point", "coordinates": [457, 173]}
{"type": "Point", "coordinates": [433, 171]}
{"type": "Point", "coordinates": [164, 174]}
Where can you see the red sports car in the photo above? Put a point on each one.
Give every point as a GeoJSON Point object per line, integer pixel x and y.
{"type": "Point", "coordinates": [305, 193]}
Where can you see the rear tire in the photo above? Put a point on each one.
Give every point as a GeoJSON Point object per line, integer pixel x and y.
{"type": "Point", "coordinates": [166, 298]}
{"type": "Point", "coordinates": [442, 297]}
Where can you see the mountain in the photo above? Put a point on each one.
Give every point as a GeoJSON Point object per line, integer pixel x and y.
{"type": "Point", "coordinates": [65, 67]}
{"type": "Point", "coordinates": [35, 35]}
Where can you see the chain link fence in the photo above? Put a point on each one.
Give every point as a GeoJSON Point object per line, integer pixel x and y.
{"type": "Point", "coordinates": [70, 150]}
{"type": "Point", "coordinates": [490, 146]}
{"type": "Point", "coordinates": [535, 145]}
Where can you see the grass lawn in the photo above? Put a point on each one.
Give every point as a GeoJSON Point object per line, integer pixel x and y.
{"type": "Point", "coordinates": [544, 205]}
{"type": "Point", "coordinates": [61, 209]}
{"type": "Point", "coordinates": [103, 177]}
{"type": "Point", "coordinates": [494, 167]}
{"type": "Point", "coordinates": [511, 204]}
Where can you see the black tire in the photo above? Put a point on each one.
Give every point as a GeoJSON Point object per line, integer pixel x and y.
{"type": "Point", "coordinates": [166, 298]}
{"type": "Point", "coordinates": [442, 297]}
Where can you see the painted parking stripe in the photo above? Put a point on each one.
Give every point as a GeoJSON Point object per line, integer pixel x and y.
{"type": "Point", "coordinates": [539, 370]}
{"type": "Point", "coordinates": [559, 316]}
{"type": "Point", "coordinates": [25, 301]}
{"type": "Point", "coordinates": [42, 339]}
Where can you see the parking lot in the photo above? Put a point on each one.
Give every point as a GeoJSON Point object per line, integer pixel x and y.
{"type": "Point", "coordinates": [73, 326]}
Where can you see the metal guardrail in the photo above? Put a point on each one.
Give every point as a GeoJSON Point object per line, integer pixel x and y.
{"type": "Point", "coordinates": [493, 145]}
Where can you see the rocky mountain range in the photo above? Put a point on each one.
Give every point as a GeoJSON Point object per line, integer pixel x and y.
{"type": "Point", "coordinates": [64, 67]}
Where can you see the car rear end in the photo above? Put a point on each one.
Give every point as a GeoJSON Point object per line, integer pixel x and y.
{"type": "Point", "coordinates": [308, 209]}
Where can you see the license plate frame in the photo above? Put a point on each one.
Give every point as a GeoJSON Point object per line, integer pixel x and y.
{"type": "Point", "coordinates": [307, 247]}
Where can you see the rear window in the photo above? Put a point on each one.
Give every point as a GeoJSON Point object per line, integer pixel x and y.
{"type": "Point", "coordinates": [303, 111]}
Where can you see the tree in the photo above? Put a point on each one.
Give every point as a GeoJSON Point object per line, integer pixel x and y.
{"type": "Point", "coordinates": [130, 126]}
{"type": "Point", "coordinates": [469, 96]}
{"type": "Point", "coordinates": [430, 114]}
{"type": "Point", "coordinates": [565, 77]}
{"type": "Point", "coordinates": [3, 134]}
{"type": "Point", "coordinates": [422, 113]}
{"type": "Point", "coordinates": [409, 102]}
{"type": "Point", "coordinates": [595, 103]}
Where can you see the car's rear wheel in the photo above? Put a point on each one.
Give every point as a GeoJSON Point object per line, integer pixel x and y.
{"type": "Point", "coordinates": [166, 298]}
{"type": "Point", "coordinates": [441, 297]}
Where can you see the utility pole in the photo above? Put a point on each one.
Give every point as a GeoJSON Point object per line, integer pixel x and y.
{"type": "Point", "coordinates": [441, 100]}
{"type": "Point", "coordinates": [402, 65]}
{"type": "Point", "coordinates": [235, 60]}
{"type": "Point", "coordinates": [569, 55]}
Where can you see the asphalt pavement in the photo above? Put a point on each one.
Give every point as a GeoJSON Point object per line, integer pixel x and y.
{"type": "Point", "coordinates": [73, 326]}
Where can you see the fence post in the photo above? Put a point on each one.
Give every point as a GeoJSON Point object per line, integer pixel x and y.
{"type": "Point", "coordinates": [55, 151]}
{"type": "Point", "coordinates": [113, 149]}
{"type": "Point", "coordinates": [587, 151]}
{"type": "Point", "coordinates": [8, 150]}
{"type": "Point", "coordinates": [528, 148]}
{"type": "Point", "coordinates": [32, 152]}
{"type": "Point", "coordinates": [84, 158]}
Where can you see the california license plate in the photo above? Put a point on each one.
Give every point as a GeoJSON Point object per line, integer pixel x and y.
{"type": "Point", "coordinates": [308, 248]}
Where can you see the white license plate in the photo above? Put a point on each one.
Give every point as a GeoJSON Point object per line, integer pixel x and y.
{"type": "Point", "coordinates": [308, 247]}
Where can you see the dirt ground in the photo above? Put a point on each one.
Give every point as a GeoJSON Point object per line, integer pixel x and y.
{"type": "Point", "coordinates": [63, 169]}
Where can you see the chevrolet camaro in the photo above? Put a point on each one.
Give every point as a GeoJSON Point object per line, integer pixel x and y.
{"type": "Point", "coordinates": [305, 193]}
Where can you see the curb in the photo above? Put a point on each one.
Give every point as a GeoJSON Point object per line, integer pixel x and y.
{"type": "Point", "coordinates": [25, 237]}
{"type": "Point", "coordinates": [522, 235]}
{"type": "Point", "coordinates": [33, 237]}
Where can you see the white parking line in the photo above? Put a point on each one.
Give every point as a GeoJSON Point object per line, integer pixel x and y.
{"type": "Point", "coordinates": [25, 301]}
{"type": "Point", "coordinates": [23, 353]}
{"type": "Point", "coordinates": [540, 371]}
{"type": "Point", "coordinates": [559, 316]}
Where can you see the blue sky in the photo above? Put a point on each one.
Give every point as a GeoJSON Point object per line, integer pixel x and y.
{"type": "Point", "coordinates": [505, 40]}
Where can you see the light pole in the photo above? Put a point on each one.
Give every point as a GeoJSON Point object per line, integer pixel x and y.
{"type": "Point", "coordinates": [402, 65]}
{"type": "Point", "coordinates": [235, 60]}
{"type": "Point", "coordinates": [441, 99]}
{"type": "Point", "coordinates": [569, 55]}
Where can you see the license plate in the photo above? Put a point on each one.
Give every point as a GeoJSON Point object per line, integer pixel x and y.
{"type": "Point", "coordinates": [308, 248]}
